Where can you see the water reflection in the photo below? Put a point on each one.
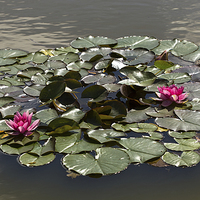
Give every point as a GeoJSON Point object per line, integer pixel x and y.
{"type": "Point", "coordinates": [31, 25]}
{"type": "Point", "coordinates": [183, 19]}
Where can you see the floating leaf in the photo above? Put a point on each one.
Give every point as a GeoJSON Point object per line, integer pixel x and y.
{"type": "Point", "coordinates": [46, 115]}
{"type": "Point", "coordinates": [188, 121]}
{"type": "Point", "coordinates": [93, 92]}
{"type": "Point", "coordinates": [165, 45]}
{"type": "Point", "coordinates": [187, 159]}
{"type": "Point", "coordinates": [183, 135]}
{"type": "Point", "coordinates": [16, 150]}
{"type": "Point", "coordinates": [63, 143]}
{"type": "Point", "coordinates": [9, 110]}
{"type": "Point", "coordinates": [124, 128]}
{"type": "Point", "coordinates": [177, 78]}
{"type": "Point", "coordinates": [72, 144]}
{"type": "Point", "coordinates": [39, 155]}
{"type": "Point", "coordinates": [142, 149]}
{"type": "Point", "coordinates": [105, 135]}
{"type": "Point", "coordinates": [137, 115]}
{"type": "Point", "coordinates": [107, 161]}
{"type": "Point", "coordinates": [66, 58]}
{"type": "Point", "coordinates": [144, 127]}
{"type": "Point", "coordinates": [52, 91]}
{"type": "Point", "coordinates": [76, 66]}
{"type": "Point", "coordinates": [137, 77]}
{"type": "Point", "coordinates": [183, 145]}
{"type": "Point", "coordinates": [6, 100]}
{"type": "Point", "coordinates": [36, 57]}
{"type": "Point", "coordinates": [62, 125]}
{"type": "Point", "coordinates": [91, 41]}
{"type": "Point", "coordinates": [74, 113]}
{"type": "Point", "coordinates": [12, 53]}
{"type": "Point", "coordinates": [31, 91]}
{"type": "Point", "coordinates": [136, 41]}
{"type": "Point", "coordinates": [94, 54]}
{"type": "Point", "coordinates": [183, 48]}
{"type": "Point", "coordinates": [154, 136]}
{"type": "Point", "coordinates": [163, 64]}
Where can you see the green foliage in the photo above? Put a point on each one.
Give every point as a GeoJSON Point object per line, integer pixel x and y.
{"type": "Point", "coordinates": [97, 105]}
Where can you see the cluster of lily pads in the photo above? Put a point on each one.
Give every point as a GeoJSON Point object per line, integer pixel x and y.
{"type": "Point", "coordinates": [95, 103]}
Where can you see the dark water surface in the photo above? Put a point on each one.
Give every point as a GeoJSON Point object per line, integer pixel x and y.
{"type": "Point", "coordinates": [34, 24]}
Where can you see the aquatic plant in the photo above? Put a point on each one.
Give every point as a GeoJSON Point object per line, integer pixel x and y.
{"type": "Point", "coordinates": [170, 94]}
{"type": "Point", "coordinates": [94, 103]}
{"type": "Point", "coordinates": [22, 124]}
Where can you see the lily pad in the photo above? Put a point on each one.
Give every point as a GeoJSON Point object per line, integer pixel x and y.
{"type": "Point", "coordinates": [105, 135]}
{"type": "Point", "coordinates": [136, 77]}
{"type": "Point", "coordinates": [141, 150]}
{"type": "Point", "coordinates": [107, 161]}
{"type": "Point", "coordinates": [187, 121]}
{"type": "Point", "coordinates": [187, 159]}
{"type": "Point", "coordinates": [183, 145]}
{"type": "Point", "coordinates": [91, 41]}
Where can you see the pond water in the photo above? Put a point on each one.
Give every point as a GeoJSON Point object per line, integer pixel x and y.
{"type": "Point", "coordinates": [32, 25]}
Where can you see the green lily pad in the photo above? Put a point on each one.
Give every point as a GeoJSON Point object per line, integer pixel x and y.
{"type": "Point", "coordinates": [177, 78]}
{"type": "Point", "coordinates": [91, 41]}
{"type": "Point", "coordinates": [165, 45]}
{"type": "Point", "coordinates": [107, 161]}
{"type": "Point", "coordinates": [183, 135]}
{"type": "Point", "coordinates": [93, 92]}
{"type": "Point", "coordinates": [16, 150]}
{"type": "Point", "coordinates": [187, 159]}
{"type": "Point", "coordinates": [74, 113]}
{"type": "Point", "coordinates": [39, 155]}
{"type": "Point", "coordinates": [9, 110]}
{"type": "Point", "coordinates": [94, 54]}
{"type": "Point", "coordinates": [46, 115]}
{"type": "Point", "coordinates": [105, 135]}
{"type": "Point", "coordinates": [136, 77]}
{"type": "Point", "coordinates": [163, 64]}
{"type": "Point", "coordinates": [187, 121]}
{"type": "Point", "coordinates": [141, 150]}
{"type": "Point", "coordinates": [183, 48]}
{"type": "Point", "coordinates": [6, 100]}
{"type": "Point", "coordinates": [137, 115]}
{"type": "Point", "coordinates": [183, 145]}
{"type": "Point", "coordinates": [52, 91]}
{"type": "Point", "coordinates": [66, 58]}
{"type": "Point", "coordinates": [76, 66]}
{"type": "Point", "coordinates": [36, 57]}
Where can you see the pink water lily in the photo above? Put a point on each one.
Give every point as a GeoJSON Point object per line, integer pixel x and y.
{"type": "Point", "coordinates": [171, 94]}
{"type": "Point", "coordinates": [22, 124]}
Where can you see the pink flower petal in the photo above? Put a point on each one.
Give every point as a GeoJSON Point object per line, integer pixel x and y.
{"type": "Point", "coordinates": [182, 96]}
{"type": "Point", "coordinates": [34, 125]}
{"type": "Point", "coordinates": [28, 133]}
{"type": "Point", "coordinates": [14, 133]}
{"type": "Point", "coordinates": [166, 103]}
{"type": "Point", "coordinates": [174, 97]}
{"type": "Point", "coordinates": [9, 124]}
{"type": "Point", "coordinates": [166, 93]}
{"type": "Point", "coordinates": [25, 115]}
{"type": "Point", "coordinates": [21, 129]}
{"type": "Point", "coordinates": [29, 118]}
{"type": "Point", "coordinates": [25, 125]}
{"type": "Point", "coordinates": [19, 116]}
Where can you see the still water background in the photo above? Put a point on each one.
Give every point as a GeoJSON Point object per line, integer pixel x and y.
{"type": "Point", "coordinates": [32, 25]}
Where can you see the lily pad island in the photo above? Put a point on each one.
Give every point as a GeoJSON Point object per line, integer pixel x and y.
{"type": "Point", "coordinates": [103, 104]}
